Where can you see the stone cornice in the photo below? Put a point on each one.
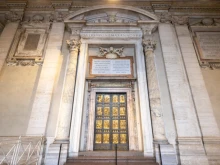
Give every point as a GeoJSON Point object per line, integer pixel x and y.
{"type": "Point", "coordinates": [16, 5]}
{"type": "Point", "coordinates": [179, 8]}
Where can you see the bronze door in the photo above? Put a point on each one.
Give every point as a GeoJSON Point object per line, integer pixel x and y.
{"type": "Point", "coordinates": [111, 126]}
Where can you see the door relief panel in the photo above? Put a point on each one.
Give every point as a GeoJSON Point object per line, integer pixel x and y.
{"type": "Point", "coordinates": [111, 126]}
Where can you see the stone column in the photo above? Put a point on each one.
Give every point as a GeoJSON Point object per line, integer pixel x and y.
{"type": "Point", "coordinates": [6, 40]}
{"type": "Point", "coordinates": [144, 102]}
{"type": "Point", "coordinates": [78, 102]}
{"type": "Point", "coordinates": [41, 105]}
{"type": "Point", "coordinates": [154, 93]}
{"type": "Point", "coordinates": [68, 92]}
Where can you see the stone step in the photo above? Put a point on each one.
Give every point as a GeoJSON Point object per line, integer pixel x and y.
{"type": "Point", "coordinates": [108, 158]}
{"type": "Point", "coordinates": [112, 153]}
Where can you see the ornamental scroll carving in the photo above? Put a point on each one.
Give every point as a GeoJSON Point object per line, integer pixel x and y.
{"type": "Point", "coordinates": [111, 52]}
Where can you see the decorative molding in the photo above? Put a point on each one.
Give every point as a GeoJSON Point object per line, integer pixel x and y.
{"type": "Point", "coordinates": [73, 44]}
{"type": "Point", "coordinates": [167, 17]}
{"type": "Point", "coordinates": [150, 16]}
{"type": "Point", "coordinates": [19, 5]}
{"type": "Point", "coordinates": [208, 51]}
{"type": "Point", "coordinates": [111, 52]}
{"type": "Point", "coordinates": [22, 53]}
{"type": "Point", "coordinates": [111, 35]}
{"type": "Point", "coordinates": [195, 9]}
{"type": "Point", "coordinates": [111, 84]}
{"type": "Point", "coordinates": [39, 7]}
{"type": "Point", "coordinates": [37, 18]}
{"type": "Point", "coordinates": [206, 22]}
{"type": "Point", "coordinates": [108, 33]}
{"type": "Point", "coordinates": [158, 6]}
{"type": "Point", "coordinates": [61, 4]}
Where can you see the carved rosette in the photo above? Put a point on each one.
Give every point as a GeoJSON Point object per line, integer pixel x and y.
{"type": "Point", "coordinates": [74, 45]}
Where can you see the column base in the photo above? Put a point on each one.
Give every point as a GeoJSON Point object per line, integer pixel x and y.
{"type": "Point", "coordinates": [212, 147]}
{"type": "Point", "coordinates": [168, 154]}
{"type": "Point", "coordinates": [57, 154]}
{"type": "Point", "coordinates": [192, 151]}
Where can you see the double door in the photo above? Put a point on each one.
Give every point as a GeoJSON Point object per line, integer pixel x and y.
{"type": "Point", "coordinates": [111, 125]}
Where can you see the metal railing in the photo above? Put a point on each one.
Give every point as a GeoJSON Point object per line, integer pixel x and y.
{"type": "Point", "coordinates": [21, 150]}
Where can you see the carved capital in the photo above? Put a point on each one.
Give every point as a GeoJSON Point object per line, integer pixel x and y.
{"type": "Point", "coordinates": [169, 18]}
{"type": "Point", "coordinates": [74, 45]}
{"type": "Point", "coordinates": [13, 16]}
{"type": "Point", "coordinates": [180, 20]}
{"type": "Point", "coordinates": [75, 29]}
{"type": "Point", "coordinates": [149, 46]}
{"type": "Point", "coordinates": [148, 29]}
{"type": "Point", "coordinates": [165, 17]}
{"type": "Point", "coordinates": [57, 16]}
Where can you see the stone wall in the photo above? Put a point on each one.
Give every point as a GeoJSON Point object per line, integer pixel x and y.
{"type": "Point", "coordinates": [212, 81]}
{"type": "Point", "coordinates": [17, 86]}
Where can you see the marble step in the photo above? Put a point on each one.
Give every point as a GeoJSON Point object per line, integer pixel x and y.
{"type": "Point", "coordinates": [108, 158]}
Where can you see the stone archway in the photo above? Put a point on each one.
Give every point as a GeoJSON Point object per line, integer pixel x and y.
{"type": "Point", "coordinates": [129, 23]}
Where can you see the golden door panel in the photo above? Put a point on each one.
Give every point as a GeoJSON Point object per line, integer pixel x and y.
{"type": "Point", "coordinates": [111, 122]}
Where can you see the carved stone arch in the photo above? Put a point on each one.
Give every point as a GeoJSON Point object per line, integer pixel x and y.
{"type": "Point", "coordinates": [78, 15]}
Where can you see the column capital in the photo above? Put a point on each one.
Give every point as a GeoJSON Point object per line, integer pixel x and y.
{"type": "Point", "coordinates": [148, 29]}
{"type": "Point", "coordinates": [13, 16]}
{"type": "Point", "coordinates": [73, 44]}
{"type": "Point", "coordinates": [149, 45]}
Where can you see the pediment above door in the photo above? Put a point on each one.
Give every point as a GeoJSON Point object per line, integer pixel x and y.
{"type": "Point", "coordinates": [111, 14]}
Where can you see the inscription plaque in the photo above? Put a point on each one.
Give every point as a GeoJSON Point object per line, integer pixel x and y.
{"type": "Point", "coordinates": [111, 67]}
{"type": "Point", "coordinates": [208, 44]}
{"type": "Point", "coordinates": [32, 42]}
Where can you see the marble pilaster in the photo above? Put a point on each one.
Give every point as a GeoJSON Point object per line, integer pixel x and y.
{"type": "Point", "coordinates": [6, 40]}
{"type": "Point", "coordinates": [209, 128]}
{"type": "Point", "coordinates": [41, 105]}
{"type": "Point", "coordinates": [189, 136]}
{"type": "Point", "coordinates": [68, 92]}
